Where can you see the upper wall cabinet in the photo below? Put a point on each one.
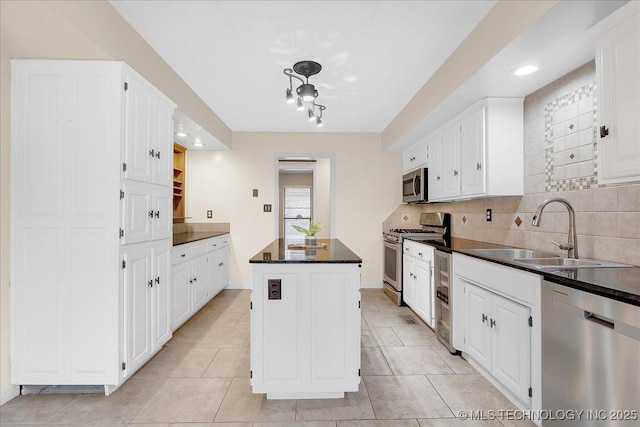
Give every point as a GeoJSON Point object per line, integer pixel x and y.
{"type": "Point", "coordinates": [618, 86]}
{"type": "Point", "coordinates": [148, 133]}
{"type": "Point", "coordinates": [415, 157]}
{"type": "Point", "coordinates": [479, 153]}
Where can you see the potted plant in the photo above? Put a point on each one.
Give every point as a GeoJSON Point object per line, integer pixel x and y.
{"type": "Point", "coordinates": [310, 233]}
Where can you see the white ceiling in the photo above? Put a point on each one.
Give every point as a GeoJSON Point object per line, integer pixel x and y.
{"type": "Point", "coordinates": [375, 55]}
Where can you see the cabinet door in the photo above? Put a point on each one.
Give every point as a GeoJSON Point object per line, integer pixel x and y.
{"type": "Point", "coordinates": [472, 138]}
{"type": "Point", "coordinates": [137, 213]}
{"type": "Point", "coordinates": [162, 204]}
{"type": "Point", "coordinates": [335, 327]}
{"type": "Point", "coordinates": [618, 67]}
{"type": "Point", "coordinates": [477, 319]}
{"type": "Point", "coordinates": [198, 283]}
{"type": "Point", "coordinates": [161, 288]}
{"type": "Point", "coordinates": [162, 170]}
{"type": "Point", "coordinates": [408, 280]}
{"type": "Point", "coordinates": [214, 260]}
{"type": "Point", "coordinates": [137, 286]}
{"type": "Point", "coordinates": [435, 174]}
{"type": "Point", "coordinates": [180, 295]}
{"type": "Point", "coordinates": [423, 292]}
{"type": "Point", "coordinates": [511, 346]}
{"type": "Point", "coordinates": [224, 268]}
{"type": "Point", "coordinates": [139, 118]}
{"type": "Point", "coordinates": [451, 161]}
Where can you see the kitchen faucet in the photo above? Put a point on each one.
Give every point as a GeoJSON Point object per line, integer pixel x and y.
{"type": "Point", "coordinates": [572, 245]}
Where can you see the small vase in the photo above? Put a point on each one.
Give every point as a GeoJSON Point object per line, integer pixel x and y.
{"type": "Point", "coordinates": [310, 240]}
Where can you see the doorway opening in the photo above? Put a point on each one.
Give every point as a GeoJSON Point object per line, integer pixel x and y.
{"type": "Point", "coordinates": [304, 187]}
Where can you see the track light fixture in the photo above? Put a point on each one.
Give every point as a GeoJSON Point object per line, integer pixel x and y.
{"type": "Point", "coordinates": [306, 92]}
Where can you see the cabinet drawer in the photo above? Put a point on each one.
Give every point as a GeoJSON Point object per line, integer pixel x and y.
{"type": "Point", "coordinates": [217, 243]}
{"type": "Point", "coordinates": [418, 250]}
{"type": "Point", "coordinates": [520, 286]}
{"type": "Point", "coordinates": [198, 250]}
{"type": "Point", "coordinates": [180, 254]}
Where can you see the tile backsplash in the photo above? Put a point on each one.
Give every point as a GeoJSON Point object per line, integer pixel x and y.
{"type": "Point", "coordinates": [560, 149]}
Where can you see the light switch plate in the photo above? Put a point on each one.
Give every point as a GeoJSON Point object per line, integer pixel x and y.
{"type": "Point", "coordinates": [255, 192]}
{"type": "Point", "coordinates": [266, 208]}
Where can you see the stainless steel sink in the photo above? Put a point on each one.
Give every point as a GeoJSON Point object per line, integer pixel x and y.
{"type": "Point", "coordinates": [512, 253]}
{"type": "Point", "coordinates": [542, 260]}
{"type": "Point", "coordinates": [565, 263]}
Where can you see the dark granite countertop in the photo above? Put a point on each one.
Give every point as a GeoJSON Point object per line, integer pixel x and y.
{"type": "Point", "coordinates": [621, 284]}
{"type": "Point", "coordinates": [278, 253]}
{"type": "Point", "coordinates": [194, 236]}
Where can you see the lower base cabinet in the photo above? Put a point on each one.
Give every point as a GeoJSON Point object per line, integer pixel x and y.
{"type": "Point", "coordinates": [498, 337]}
{"type": "Point", "coordinates": [200, 272]}
{"type": "Point", "coordinates": [497, 326]}
{"type": "Point", "coordinates": [147, 275]}
{"type": "Point", "coordinates": [306, 343]}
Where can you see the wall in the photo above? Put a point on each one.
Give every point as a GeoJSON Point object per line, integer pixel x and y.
{"type": "Point", "coordinates": [607, 217]}
{"type": "Point", "coordinates": [366, 192]}
{"type": "Point", "coordinates": [72, 30]}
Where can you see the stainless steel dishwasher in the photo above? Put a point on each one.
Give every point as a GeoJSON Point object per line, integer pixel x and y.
{"type": "Point", "coordinates": [590, 359]}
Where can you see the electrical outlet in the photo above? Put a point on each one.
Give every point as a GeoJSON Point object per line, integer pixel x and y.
{"type": "Point", "coordinates": [274, 287]}
{"type": "Point", "coordinates": [488, 215]}
{"type": "Point", "coordinates": [209, 214]}
{"type": "Point", "coordinates": [266, 208]}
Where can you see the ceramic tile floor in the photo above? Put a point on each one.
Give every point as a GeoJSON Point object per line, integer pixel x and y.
{"type": "Point", "coordinates": [201, 378]}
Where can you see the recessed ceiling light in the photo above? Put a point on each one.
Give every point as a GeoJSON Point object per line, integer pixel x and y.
{"type": "Point", "coordinates": [182, 134]}
{"type": "Point", "coordinates": [525, 70]}
{"type": "Point", "coordinates": [197, 144]}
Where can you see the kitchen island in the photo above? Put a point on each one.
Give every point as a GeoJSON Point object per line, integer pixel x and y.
{"type": "Point", "coordinates": [305, 321]}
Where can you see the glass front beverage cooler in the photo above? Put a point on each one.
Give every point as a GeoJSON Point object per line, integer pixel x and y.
{"type": "Point", "coordinates": [443, 298]}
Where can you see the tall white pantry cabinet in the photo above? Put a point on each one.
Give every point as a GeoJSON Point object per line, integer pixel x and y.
{"type": "Point", "coordinates": [91, 221]}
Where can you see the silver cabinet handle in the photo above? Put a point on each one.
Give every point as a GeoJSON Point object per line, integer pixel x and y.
{"type": "Point", "coordinates": [492, 323]}
{"type": "Point", "coordinates": [484, 318]}
{"type": "Point", "coordinates": [478, 166]}
{"type": "Point", "coordinates": [150, 283]}
{"type": "Point", "coordinates": [437, 177]}
{"type": "Point", "coordinates": [152, 153]}
{"type": "Point", "coordinates": [455, 172]}
{"type": "Point", "coordinates": [183, 255]}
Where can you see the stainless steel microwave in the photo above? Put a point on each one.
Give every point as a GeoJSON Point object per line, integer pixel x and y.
{"type": "Point", "coordinates": [414, 186]}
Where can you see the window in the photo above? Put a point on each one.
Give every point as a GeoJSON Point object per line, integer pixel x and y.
{"type": "Point", "coordinates": [297, 211]}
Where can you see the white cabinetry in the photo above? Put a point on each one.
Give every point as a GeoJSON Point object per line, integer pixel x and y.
{"type": "Point", "coordinates": [147, 212]}
{"type": "Point", "coordinates": [480, 152]}
{"type": "Point", "coordinates": [72, 287]}
{"type": "Point", "coordinates": [498, 337]}
{"type": "Point", "coordinates": [415, 156]}
{"type": "Point", "coordinates": [418, 279]}
{"type": "Point", "coordinates": [200, 272]}
{"type": "Point", "coordinates": [618, 86]}
{"type": "Point", "coordinates": [436, 159]}
{"type": "Point", "coordinates": [498, 325]}
{"type": "Point", "coordinates": [147, 157]}
{"type": "Point", "coordinates": [218, 265]}
{"type": "Point", "coordinates": [307, 343]}
{"type": "Point", "coordinates": [146, 292]}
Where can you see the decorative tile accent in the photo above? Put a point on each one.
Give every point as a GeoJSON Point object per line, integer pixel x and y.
{"type": "Point", "coordinates": [464, 219]}
{"type": "Point", "coordinates": [406, 218]}
{"type": "Point", "coordinates": [571, 155]}
{"type": "Point", "coordinates": [518, 221]}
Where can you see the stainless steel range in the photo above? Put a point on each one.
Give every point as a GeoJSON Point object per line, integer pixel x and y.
{"type": "Point", "coordinates": [435, 226]}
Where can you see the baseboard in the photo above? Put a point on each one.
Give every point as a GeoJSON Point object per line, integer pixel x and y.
{"type": "Point", "coordinates": [238, 286]}
{"type": "Point", "coordinates": [371, 285]}
{"type": "Point", "coordinates": [9, 393]}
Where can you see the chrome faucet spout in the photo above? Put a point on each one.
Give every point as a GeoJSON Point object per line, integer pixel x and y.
{"type": "Point", "coordinates": [572, 246]}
